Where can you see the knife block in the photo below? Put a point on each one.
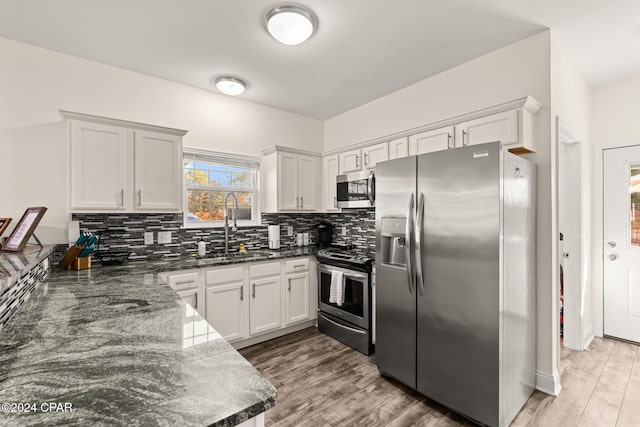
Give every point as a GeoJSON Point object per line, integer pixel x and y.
{"type": "Point", "coordinates": [70, 260]}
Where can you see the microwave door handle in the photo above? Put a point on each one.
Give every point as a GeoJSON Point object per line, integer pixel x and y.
{"type": "Point", "coordinates": [408, 238]}
{"type": "Point", "coordinates": [418, 248]}
{"type": "Point", "coordinates": [370, 188]}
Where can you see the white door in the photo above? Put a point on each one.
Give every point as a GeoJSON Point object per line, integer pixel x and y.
{"type": "Point", "coordinates": [297, 301]}
{"type": "Point", "coordinates": [350, 161]}
{"type": "Point", "coordinates": [225, 308]}
{"type": "Point", "coordinates": [501, 127]}
{"type": "Point", "coordinates": [158, 171]}
{"type": "Point", "coordinates": [308, 172]}
{"type": "Point", "coordinates": [374, 154]}
{"type": "Point", "coordinates": [432, 140]}
{"type": "Point", "coordinates": [264, 314]}
{"type": "Point", "coordinates": [288, 194]}
{"type": "Point", "coordinates": [330, 171]}
{"type": "Point", "coordinates": [399, 148]}
{"type": "Point", "coordinates": [621, 239]}
{"type": "Point", "coordinates": [98, 166]}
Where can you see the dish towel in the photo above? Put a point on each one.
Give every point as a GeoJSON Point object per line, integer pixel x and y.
{"type": "Point", "coordinates": [336, 292]}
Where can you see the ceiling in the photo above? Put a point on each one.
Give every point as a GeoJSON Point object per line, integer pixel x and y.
{"type": "Point", "coordinates": [363, 49]}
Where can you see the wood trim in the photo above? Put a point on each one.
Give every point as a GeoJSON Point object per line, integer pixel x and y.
{"type": "Point", "coordinates": [529, 103]}
{"type": "Point", "coordinates": [549, 384]}
{"type": "Point", "coordinates": [70, 115]}
{"type": "Point", "coordinates": [279, 148]}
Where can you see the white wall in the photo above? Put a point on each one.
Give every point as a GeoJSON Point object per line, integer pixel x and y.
{"type": "Point", "coordinates": [35, 83]}
{"type": "Point", "coordinates": [571, 101]}
{"type": "Point", "coordinates": [509, 73]}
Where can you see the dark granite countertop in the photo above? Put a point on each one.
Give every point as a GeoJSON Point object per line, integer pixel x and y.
{"type": "Point", "coordinates": [119, 347]}
{"type": "Point", "coordinates": [14, 265]}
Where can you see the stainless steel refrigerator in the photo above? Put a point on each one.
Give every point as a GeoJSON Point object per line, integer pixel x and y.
{"type": "Point", "coordinates": [455, 266]}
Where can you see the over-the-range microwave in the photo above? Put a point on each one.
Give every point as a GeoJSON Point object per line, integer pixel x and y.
{"type": "Point", "coordinates": [356, 190]}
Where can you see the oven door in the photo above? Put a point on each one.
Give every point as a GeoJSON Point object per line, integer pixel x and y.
{"type": "Point", "coordinates": [356, 306]}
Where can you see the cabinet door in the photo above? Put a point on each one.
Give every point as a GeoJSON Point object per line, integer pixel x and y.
{"type": "Point", "coordinates": [374, 154]}
{"type": "Point", "coordinates": [158, 171]}
{"type": "Point", "coordinates": [350, 161]}
{"type": "Point", "coordinates": [98, 166]}
{"type": "Point", "coordinates": [432, 140]}
{"type": "Point", "coordinates": [330, 171]}
{"type": "Point", "coordinates": [501, 127]}
{"type": "Point", "coordinates": [308, 182]}
{"type": "Point", "coordinates": [190, 296]}
{"type": "Point", "coordinates": [225, 310]}
{"type": "Point", "coordinates": [399, 148]}
{"type": "Point", "coordinates": [288, 197]}
{"type": "Point", "coordinates": [297, 298]}
{"type": "Point", "coordinates": [264, 313]}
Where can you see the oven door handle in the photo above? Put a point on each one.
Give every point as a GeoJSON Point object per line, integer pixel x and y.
{"type": "Point", "coordinates": [357, 331]}
{"type": "Point", "coordinates": [324, 268]}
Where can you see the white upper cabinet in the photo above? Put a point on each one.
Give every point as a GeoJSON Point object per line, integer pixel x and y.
{"type": "Point", "coordinates": [398, 148]}
{"type": "Point", "coordinates": [514, 128]}
{"type": "Point", "coordinates": [432, 140]}
{"type": "Point", "coordinates": [290, 180]}
{"type": "Point", "coordinates": [98, 173]}
{"type": "Point", "coordinates": [330, 169]}
{"type": "Point", "coordinates": [350, 161]}
{"type": "Point", "coordinates": [374, 154]}
{"type": "Point", "coordinates": [117, 165]}
{"type": "Point", "coordinates": [158, 171]}
{"type": "Point", "coordinates": [501, 127]}
{"type": "Point", "coordinates": [366, 158]}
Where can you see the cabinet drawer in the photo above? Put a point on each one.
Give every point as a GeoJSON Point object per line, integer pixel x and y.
{"type": "Point", "coordinates": [224, 275]}
{"type": "Point", "coordinates": [296, 265]}
{"type": "Point", "coordinates": [183, 281]}
{"type": "Point", "coordinates": [259, 270]}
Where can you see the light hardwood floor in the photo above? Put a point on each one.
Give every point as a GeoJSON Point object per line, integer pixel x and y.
{"type": "Point", "coordinates": [322, 382]}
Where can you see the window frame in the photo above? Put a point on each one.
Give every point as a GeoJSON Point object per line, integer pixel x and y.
{"type": "Point", "coordinates": [224, 160]}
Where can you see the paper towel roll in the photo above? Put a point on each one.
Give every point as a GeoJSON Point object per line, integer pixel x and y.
{"type": "Point", "coordinates": [274, 237]}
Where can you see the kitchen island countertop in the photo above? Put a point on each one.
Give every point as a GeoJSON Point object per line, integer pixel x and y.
{"type": "Point", "coordinates": [117, 346]}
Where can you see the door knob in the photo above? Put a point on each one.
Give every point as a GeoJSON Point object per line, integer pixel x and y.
{"type": "Point", "coordinates": [613, 257]}
{"type": "Point", "coordinates": [611, 244]}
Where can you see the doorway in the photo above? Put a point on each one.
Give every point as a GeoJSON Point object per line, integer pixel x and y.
{"type": "Point", "coordinates": [621, 242]}
{"type": "Point", "coordinates": [570, 247]}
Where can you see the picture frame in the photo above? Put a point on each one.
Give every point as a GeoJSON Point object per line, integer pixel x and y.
{"type": "Point", "coordinates": [4, 223]}
{"type": "Point", "coordinates": [25, 228]}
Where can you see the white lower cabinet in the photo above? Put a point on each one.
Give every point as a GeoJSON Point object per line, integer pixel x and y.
{"type": "Point", "coordinates": [264, 311]}
{"type": "Point", "coordinates": [225, 308]}
{"type": "Point", "coordinates": [253, 302]}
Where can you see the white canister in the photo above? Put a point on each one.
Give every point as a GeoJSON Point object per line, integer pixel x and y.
{"type": "Point", "coordinates": [274, 236]}
{"type": "Point", "coordinates": [202, 248]}
{"type": "Point", "coordinates": [305, 239]}
{"type": "Point", "coordinates": [299, 239]}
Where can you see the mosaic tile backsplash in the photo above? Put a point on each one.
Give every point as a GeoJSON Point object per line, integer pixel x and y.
{"type": "Point", "coordinates": [126, 232]}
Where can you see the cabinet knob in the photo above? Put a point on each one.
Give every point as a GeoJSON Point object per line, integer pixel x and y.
{"type": "Point", "coordinates": [301, 202]}
{"type": "Point", "coordinates": [241, 293]}
{"type": "Point", "coordinates": [196, 302]}
{"type": "Point", "coordinates": [253, 290]}
{"type": "Point", "coordinates": [289, 284]}
{"type": "Point", "coordinates": [464, 139]}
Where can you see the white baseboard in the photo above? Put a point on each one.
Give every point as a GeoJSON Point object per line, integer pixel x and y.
{"type": "Point", "coordinates": [271, 335]}
{"type": "Point", "coordinates": [589, 335]}
{"type": "Point", "coordinates": [549, 384]}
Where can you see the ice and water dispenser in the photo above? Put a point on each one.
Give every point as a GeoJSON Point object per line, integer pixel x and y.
{"type": "Point", "coordinates": [394, 244]}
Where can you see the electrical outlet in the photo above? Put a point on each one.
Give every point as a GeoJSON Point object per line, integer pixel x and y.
{"type": "Point", "coordinates": [164, 237]}
{"type": "Point", "coordinates": [344, 230]}
{"type": "Point", "coordinates": [290, 230]}
{"type": "Point", "coordinates": [148, 238]}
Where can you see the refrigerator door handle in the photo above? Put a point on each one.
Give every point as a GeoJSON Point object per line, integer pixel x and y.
{"type": "Point", "coordinates": [370, 189]}
{"type": "Point", "coordinates": [418, 236]}
{"type": "Point", "coordinates": [408, 238]}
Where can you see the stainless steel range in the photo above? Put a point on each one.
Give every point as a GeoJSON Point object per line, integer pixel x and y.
{"type": "Point", "coordinates": [344, 297]}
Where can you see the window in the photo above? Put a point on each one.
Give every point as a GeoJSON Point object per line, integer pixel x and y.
{"type": "Point", "coordinates": [210, 178]}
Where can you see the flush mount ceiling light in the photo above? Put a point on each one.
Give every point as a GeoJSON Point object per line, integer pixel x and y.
{"type": "Point", "coordinates": [291, 24]}
{"type": "Point", "coordinates": [230, 85]}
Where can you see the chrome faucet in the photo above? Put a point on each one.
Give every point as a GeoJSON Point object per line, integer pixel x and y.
{"type": "Point", "coordinates": [226, 220]}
